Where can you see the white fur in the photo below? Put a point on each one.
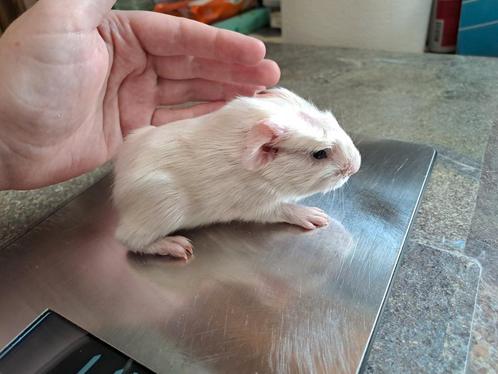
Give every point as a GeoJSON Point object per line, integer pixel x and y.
{"type": "Point", "coordinates": [190, 173]}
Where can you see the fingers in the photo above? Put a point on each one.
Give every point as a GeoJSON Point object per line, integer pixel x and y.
{"type": "Point", "coordinates": [164, 115]}
{"type": "Point", "coordinates": [171, 92]}
{"type": "Point", "coordinates": [265, 73]}
{"type": "Point", "coordinates": [164, 35]}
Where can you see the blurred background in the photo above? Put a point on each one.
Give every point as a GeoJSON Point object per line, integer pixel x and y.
{"type": "Point", "coordinates": [466, 27]}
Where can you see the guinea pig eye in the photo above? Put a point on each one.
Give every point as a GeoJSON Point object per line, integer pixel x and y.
{"type": "Point", "coordinates": [321, 154]}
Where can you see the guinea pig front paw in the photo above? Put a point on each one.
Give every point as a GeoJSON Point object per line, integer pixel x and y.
{"type": "Point", "coordinates": [308, 218]}
{"type": "Point", "coordinates": [174, 246]}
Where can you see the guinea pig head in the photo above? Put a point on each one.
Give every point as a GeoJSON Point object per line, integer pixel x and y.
{"type": "Point", "coordinates": [300, 153]}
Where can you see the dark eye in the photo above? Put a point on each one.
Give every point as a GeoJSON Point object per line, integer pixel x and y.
{"type": "Point", "coordinates": [319, 155]}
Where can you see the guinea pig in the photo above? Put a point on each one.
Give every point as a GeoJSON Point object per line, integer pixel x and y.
{"type": "Point", "coordinates": [251, 160]}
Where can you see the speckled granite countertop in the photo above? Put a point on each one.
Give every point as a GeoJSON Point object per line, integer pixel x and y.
{"type": "Point", "coordinates": [442, 313]}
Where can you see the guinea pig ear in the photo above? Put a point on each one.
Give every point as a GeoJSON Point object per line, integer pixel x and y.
{"type": "Point", "coordinates": [261, 144]}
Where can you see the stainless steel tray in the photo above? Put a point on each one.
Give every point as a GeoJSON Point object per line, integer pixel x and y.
{"type": "Point", "coordinates": [254, 299]}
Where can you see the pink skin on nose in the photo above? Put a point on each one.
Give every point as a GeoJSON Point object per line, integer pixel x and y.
{"type": "Point", "coordinates": [354, 166]}
{"type": "Point", "coordinates": [348, 166]}
{"type": "Point", "coordinates": [338, 156]}
{"type": "Point", "coordinates": [349, 169]}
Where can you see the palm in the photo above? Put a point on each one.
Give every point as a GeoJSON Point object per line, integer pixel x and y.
{"type": "Point", "coordinates": [85, 90]}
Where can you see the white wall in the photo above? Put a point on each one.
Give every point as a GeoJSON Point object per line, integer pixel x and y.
{"type": "Point", "coordinates": [393, 25]}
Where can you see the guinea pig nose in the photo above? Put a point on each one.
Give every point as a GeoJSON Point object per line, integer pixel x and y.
{"type": "Point", "coordinates": [349, 169]}
{"type": "Point", "coordinates": [354, 167]}
{"type": "Point", "coordinates": [346, 170]}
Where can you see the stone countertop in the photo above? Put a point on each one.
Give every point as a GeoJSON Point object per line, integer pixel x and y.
{"type": "Point", "coordinates": [441, 315]}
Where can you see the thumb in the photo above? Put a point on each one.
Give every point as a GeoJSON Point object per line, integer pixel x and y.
{"type": "Point", "coordinates": [77, 15]}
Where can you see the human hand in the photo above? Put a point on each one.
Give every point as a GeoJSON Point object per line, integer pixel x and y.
{"type": "Point", "coordinates": [76, 77]}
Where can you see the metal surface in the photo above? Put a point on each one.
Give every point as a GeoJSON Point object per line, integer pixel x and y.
{"type": "Point", "coordinates": [255, 298]}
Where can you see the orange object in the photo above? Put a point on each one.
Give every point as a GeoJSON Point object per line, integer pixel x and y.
{"type": "Point", "coordinates": [206, 11]}
{"type": "Point", "coordinates": [172, 8]}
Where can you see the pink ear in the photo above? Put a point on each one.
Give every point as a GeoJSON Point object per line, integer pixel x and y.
{"type": "Point", "coordinates": [261, 144]}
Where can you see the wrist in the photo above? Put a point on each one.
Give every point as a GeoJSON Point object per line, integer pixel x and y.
{"type": "Point", "coordinates": [5, 175]}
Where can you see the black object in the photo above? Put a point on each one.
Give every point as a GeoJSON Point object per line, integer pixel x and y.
{"type": "Point", "coordinates": [53, 344]}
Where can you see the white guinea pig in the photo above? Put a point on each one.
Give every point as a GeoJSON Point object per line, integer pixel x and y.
{"type": "Point", "coordinates": [248, 161]}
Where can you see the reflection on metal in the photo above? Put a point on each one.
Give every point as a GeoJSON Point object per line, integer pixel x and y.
{"type": "Point", "coordinates": [255, 298]}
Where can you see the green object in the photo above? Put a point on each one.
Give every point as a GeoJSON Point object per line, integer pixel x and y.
{"type": "Point", "coordinates": [247, 22]}
{"type": "Point", "coordinates": [134, 5]}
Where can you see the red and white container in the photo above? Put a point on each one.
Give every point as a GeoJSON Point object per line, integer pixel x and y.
{"type": "Point", "coordinates": [443, 28]}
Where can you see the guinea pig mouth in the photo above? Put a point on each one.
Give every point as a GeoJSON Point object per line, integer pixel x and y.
{"type": "Point", "coordinates": [341, 182]}
{"type": "Point", "coordinates": [329, 183]}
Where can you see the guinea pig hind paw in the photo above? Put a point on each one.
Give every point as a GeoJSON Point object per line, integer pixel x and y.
{"type": "Point", "coordinates": [174, 246]}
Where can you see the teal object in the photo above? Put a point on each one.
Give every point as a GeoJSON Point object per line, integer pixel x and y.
{"type": "Point", "coordinates": [247, 22]}
{"type": "Point", "coordinates": [478, 30]}
{"type": "Point", "coordinates": [89, 364]}
{"type": "Point", "coordinates": [134, 5]}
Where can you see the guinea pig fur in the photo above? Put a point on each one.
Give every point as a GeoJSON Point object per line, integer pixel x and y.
{"type": "Point", "coordinates": [248, 161]}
